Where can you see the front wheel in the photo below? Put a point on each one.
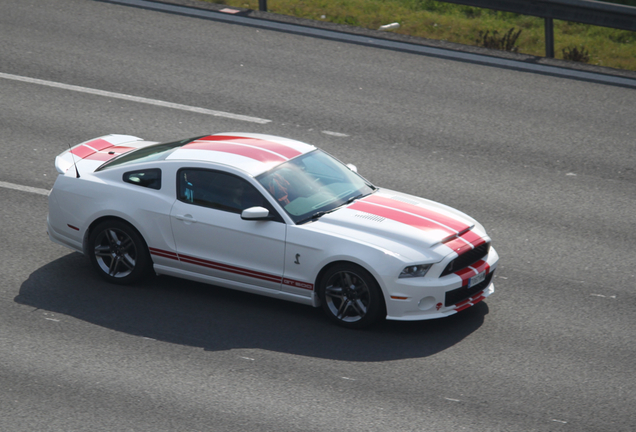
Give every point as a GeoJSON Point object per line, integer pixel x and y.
{"type": "Point", "coordinates": [118, 252]}
{"type": "Point", "coordinates": [350, 296]}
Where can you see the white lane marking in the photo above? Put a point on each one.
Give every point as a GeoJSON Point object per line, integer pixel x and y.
{"type": "Point", "coordinates": [603, 296]}
{"type": "Point", "coordinates": [24, 188]}
{"type": "Point", "coordinates": [52, 319]}
{"type": "Point", "coordinates": [559, 421]}
{"type": "Point", "coordinates": [347, 378]}
{"type": "Point", "coordinates": [452, 400]}
{"type": "Point", "coordinates": [247, 358]}
{"type": "Point", "coordinates": [135, 98]}
{"type": "Point", "coordinates": [336, 134]}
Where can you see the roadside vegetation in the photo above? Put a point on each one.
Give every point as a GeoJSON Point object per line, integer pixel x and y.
{"type": "Point", "coordinates": [468, 25]}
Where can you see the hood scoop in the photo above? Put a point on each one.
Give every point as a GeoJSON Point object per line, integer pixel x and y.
{"type": "Point", "coordinates": [369, 216]}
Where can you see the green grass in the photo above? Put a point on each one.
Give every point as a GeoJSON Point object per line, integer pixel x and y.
{"type": "Point", "coordinates": [463, 24]}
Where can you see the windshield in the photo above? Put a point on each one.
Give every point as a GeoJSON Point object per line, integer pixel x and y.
{"type": "Point", "coordinates": [146, 154]}
{"type": "Point", "coordinates": [312, 184]}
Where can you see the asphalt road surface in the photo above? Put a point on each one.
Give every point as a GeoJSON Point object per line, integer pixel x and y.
{"type": "Point", "coordinates": [545, 163]}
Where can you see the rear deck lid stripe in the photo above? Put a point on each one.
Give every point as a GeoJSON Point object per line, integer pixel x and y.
{"type": "Point", "coordinates": [89, 148]}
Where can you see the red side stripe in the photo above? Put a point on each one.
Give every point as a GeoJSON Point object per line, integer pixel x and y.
{"type": "Point", "coordinates": [163, 253]}
{"type": "Point", "coordinates": [281, 149]}
{"type": "Point", "coordinates": [448, 222]}
{"type": "Point", "coordinates": [230, 269]}
{"type": "Point", "coordinates": [237, 149]}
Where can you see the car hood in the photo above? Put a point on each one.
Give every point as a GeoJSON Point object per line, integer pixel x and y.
{"type": "Point", "coordinates": [402, 224]}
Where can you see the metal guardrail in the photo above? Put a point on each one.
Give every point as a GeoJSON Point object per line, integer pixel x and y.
{"type": "Point", "coordinates": [582, 11]}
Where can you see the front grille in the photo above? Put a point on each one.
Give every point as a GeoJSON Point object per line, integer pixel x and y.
{"type": "Point", "coordinates": [466, 259]}
{"type": "Point", "coordinates": [459, 294]}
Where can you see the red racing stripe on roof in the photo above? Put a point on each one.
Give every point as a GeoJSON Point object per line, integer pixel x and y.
{"type": "Point", "coordinates": [447, 222]}
{"type": "Point", "coordinates": [278, 148]}
{"type": "Point", "coordinates": [237, 149]}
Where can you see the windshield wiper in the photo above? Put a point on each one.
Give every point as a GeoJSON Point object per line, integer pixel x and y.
{"type": "Point", "coordinates": [319, 214]}
{"type": "Point", "coordinates": [313, 217]}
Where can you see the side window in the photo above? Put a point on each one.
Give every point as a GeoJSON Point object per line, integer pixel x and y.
{"type": "Point", "coordinates": [150, 178]}
{"type": "Point", "coordinates": [218, 190]}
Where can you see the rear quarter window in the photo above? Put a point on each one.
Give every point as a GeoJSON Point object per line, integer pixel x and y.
{"type": "Point", "coordinates": [149, 178]}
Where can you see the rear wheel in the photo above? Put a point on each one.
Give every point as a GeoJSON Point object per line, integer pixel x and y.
{"type": "Point", "coordinates": [118, 252]}
{"type": "Point", "coordinates": [350, 296]}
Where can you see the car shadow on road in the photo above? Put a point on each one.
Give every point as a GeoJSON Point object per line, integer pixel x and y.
{"type": "Point", "coordinates": [194, 314]}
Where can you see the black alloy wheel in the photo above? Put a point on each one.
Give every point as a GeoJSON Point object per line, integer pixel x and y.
{"type": "Point", "coordinates": [350, 296]}
{"type": "Point", "coordinates": [118, 252]}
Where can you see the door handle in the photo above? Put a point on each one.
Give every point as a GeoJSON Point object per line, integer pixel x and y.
{"type": "Point", "coordinates": [186, 218]}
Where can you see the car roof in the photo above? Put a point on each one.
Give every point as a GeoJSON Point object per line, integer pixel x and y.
{"type": "Point", "coordinates": [252, 153]}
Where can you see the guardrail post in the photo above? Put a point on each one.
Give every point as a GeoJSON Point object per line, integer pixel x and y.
{"type": "Point", "coordinates": [549, 38]}
{"type": "Point", "coordinates": [262, 5]}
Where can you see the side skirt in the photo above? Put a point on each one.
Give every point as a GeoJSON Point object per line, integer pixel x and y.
{"type": "Point", "coordinates": [170, 271]}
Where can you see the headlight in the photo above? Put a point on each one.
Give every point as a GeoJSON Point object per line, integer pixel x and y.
{"type": "Point", "coordinates": [415, 271]}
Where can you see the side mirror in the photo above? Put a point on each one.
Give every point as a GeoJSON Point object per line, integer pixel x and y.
{"type": "Point", "coordinates": [255, 213]}
{"type": "Point", "coordinates": [352, 167]}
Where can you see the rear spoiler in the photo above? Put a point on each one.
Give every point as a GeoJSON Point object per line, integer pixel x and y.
{"type": "Point", "coordinates": [97, 150]}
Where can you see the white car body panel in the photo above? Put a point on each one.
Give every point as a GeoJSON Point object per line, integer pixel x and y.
{"type": "Point", "coordinates": [383, 232]}
{"type": "Point", "coordinates": [219, 244]}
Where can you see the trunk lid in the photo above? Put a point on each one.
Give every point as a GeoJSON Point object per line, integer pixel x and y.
{"type": "Point", "coordinates": [86, 157]}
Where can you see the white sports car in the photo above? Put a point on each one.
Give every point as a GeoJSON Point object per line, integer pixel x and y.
{"type": "Point", "coordinates": [270, 216]}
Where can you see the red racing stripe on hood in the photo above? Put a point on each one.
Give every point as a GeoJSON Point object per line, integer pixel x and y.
{"type": "Point", "coordinates": [465, 242]}
{"type": "Point", "coordinates": [413, 220]}
{"type": "Point", "coordinates": [410, 214]}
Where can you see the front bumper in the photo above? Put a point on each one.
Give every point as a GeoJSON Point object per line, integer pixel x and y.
{"type": "Point", "coordinates": [430, 298]}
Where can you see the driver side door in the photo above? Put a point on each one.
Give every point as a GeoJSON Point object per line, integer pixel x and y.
{"type": "Point", "coordinates": [213, 240]}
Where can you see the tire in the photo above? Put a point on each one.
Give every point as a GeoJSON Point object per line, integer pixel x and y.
{"type": "Point", "coordinates": [118, 252]}
{"type": "Point", "coordinates": [350, 296]}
